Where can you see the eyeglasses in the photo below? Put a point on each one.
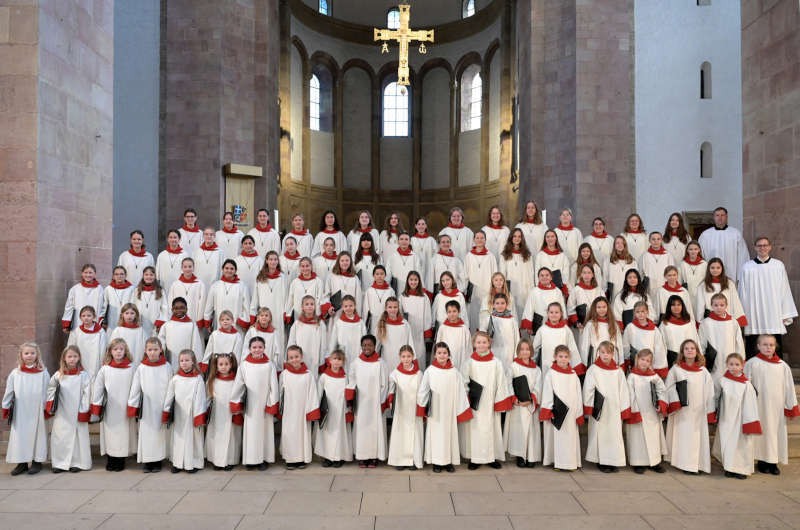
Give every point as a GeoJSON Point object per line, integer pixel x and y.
{"type": "Point", "coordinates": [763, 245]}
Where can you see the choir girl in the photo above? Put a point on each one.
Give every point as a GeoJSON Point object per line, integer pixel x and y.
{"type": "Point", "coordinates": [225, 339]}
{"type": "Point", "coordinates": [692, 272]}
{"type": "Point", "coordinates": [192, 290]}
{"type": "Point", "coordinates": [136, 258]}
{"type": "Point", "coordinates": [552, 258]}
{"type": "Point", "coordinates": [532, 226]}
{"type": "Point", "coordinates": [228, 293]}
{"type": "Point", "coordinates": [600, 326]}
{"type": "Point", "coordinates": [273, 338]}
{"type": "Point", "coordinates": [455, 333]}
{"type": "Point", "coordinates": [301, 234]}
{"type": "Point", "coordinates": [110, 392]}
{"type": "Point", "coordinates": [185, 409]}
{"type": "Point", "coordinates": [555, 333]}
{"type": "Point", "coordinates": [539, 298]}
{"type": "Point", "coordinates": [367, 389]}
{"type": "Point", "coordinates": [504, 330]}
{"type": "Point", "coordinates": [168, 263]}
{"type": "Point", "coordinates": [582, 295]}
{"type": "Point", "coordinates": [272, 286]}
{"type": "Point", "coordinates": [447, 293]}
{"type": "Point", "coordinates": [191, 238]}
{"type": "Point", "coordinates": [307, 284]}
{"type": "Point", "coordinates": [118, 293]}
{"type": "Point", "coordinates": [329, 228]}
{"type": "Point", "coordinates": [716, 281]}
{"type": "Point", "coordinates": [635, 235]}
{"type": "Point", "coordinates": [332, 437]}
{"type": "Point", "coordinates": [87, 292]}
{"type": "Point", "coordinates": [129, 328]}
{"type": "Point", "coordinates": [617, 267]}
{"type": "Point", "coordinates": [643, 429]}
{"type": "Point", "coordinates": [249, 263]}
{"type": "Point", "coordinates": [151, 301]}
{"type": "Point", "coordinates": [24, 403]}
{"type": "Point", "coordinates": [670, 288]}
{"type": "Point", "coordinates": [68, 400]}
{"type": "Point", "coordinates": [516, 265]}
{"type": "Point", "coordinates": [569, 237]}
{"type": "Point", "coordinates": [400, 261]}
{"type": "Point", "coordinates": [393, 332]}
{"type": "Point", "coordinates": [299, 407]}
{"type": "Point", "coordinates": [586, 256]}
{"type": "Point", "coordinates": [266, 237]}
{"type": "Point", "coordinates": [633, 291]}
{"type": "Point", "coordinates": [425, 247]}
{"type": "Point", "coordinates": [496, 232]}
{"type": "Point", "coordinates": [416, 308]}
{"type": "Point", "coordinates": [406, 440]}
{"type": "Point", "coordinates": [499, 285]}
{"type": "Point", "coordinates": [208, 259]}
{"type": "Point", "coordinates": [390, 234]}
{"type": "Point", "coordinates": [364, 225]}
{"type": "Point", "coordinates": [90, 339]}
{"type": "Point", "coordinates": [346, 331]}
{"type": "Point", "coordinates": [180, 333]}
{"type": "Point", "coordinates": [676, 326]}
{"type": "Point", "coordinates": [643, 334]}
{"type": "Point", "coordinates": [325, 260]}
{"type": "Point", "coordinates": [343, 280]}
{"type": "Point", "coordinates": [146, 403]}
{"type": "Point", "coordinates": [522, 430]}
{"type": "Point", "coordinates": [479, 267]}
{"type": "Point", "coordinates": [365, 257]}
{"type": "Point", "coordinates": [445, 260]}
{"type": "Point", "coordinates": [652, 264]}
{"type": "Point", "coordinates": [311, 334]}
{"type": "Point", "coordinates": [461, 236]}
{"type": "Point", "coordinates": [562, 446]}
{"type": "Point", "coordinates": [290, 258]}
{"type": "Point", "coordinates": [602, 244]}
{"type": "Point", "coordinates": [719, 336]}
{"type": "Point", "coordinates": [676, 237]}
{"type": "Point", "coordinates": [229, 238]}
{"type": "Point", "coordinates": [375, 298]}
{"type": "Point", "coordinates": [224, 430]}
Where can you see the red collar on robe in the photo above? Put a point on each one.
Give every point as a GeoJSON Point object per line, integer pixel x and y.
{"type": "Point", "coordinates": [230, 231]}
{"type": "Point", "coordinates": [738, 379]}
{"type": "Point", "coordinates": [693, 368]}
{"type": "Point", "coordinates": [477, 252]}
{"type": "Point", "coordinates": [346, 274]}
{"type": "Point", "coordinates": [414, 368]}
{"type": "Point", "coordinates": [632, 231]}
{"type": "Point", "coordinates": [529, 364]}
{"type": "Point", "coordinates": [568, 227]}
{"type": "Point", "coordinates": [129, 326]}
{"type": "Point", "coordinates": [123, 285]}
{"type": "Point", "coordinates": [649, 326]}
{"type": "Point", "coordinates": [250, 254]}
{"type": "Point", "coordinates": [601, 235]}
{"type": "Point", "coordinates": [193, 373]}
{"type": "Point", "coordinates": [345, 318]}
{"type": "Point", "coordinates": [192, 279]}
{"type": "Point", "coordinates": [651, 250]}
{"type": "Point", "coordinates": [530, 221]}
{"type": "Point", "coordinates": [185, 318]}
{"type": "Point", "coordinates": [310, 277]}
{"type": "Point", "coordinates": [33, 370]}
{"type": "Point", "coordinates": [330, 230]}
{"type": "Point", "coordinates": [294, 256]}
{"type": "Point", "coordinates": [256, 360]}
{"type": "Point", "coordinates": [423, 235]}
{"type": "Point", "coordinates": [230, 332]}
{"type": "Point", "coordinates": [274, 275]}
{"type": "Point", "coordinates": [74, 371]}
{"type": "Point", "coordinates": [603, 320]}
{"type": "Point", "coordinates": [90, 285]}
{"type": "Point", "coordinates": [230, 377]}
{"type": "Point", "coordinates": [561, 324]}
{"type": "Point", "coordinates": [95, 329]}
{"type": "Point", "coordinates": [330, 373]}
{"type": "Point", "coordinates": [482, 358]}
{"type": "Point", "coordinates": [365, 230]}
{"type": "Point", "coordinates": [446, 366]}
{"type": "Point", "coordinates": [412, 293]}
{"type": "Point", "coordinates": [393, 230]}
{"type": "Point", "coordinates": [212, 246]}
{"type": "Point", "coordinates": [495, 227]}
{"type": "Point", "coordinates": [142, 253]}
{"type": "Point", "coordinates": [268, 329]}
{"type": "Point", "coordinates": [302, 370]}
{"type": "Point", "coordinates": [332, 256]}
{"type": "Point", "coordinates": [458, 323]}
{"type": "Point", "coordinates": [406, 252]}
{"type": "Point", "coordinates": [234, 280]}
{"type": "Point", "coordinates": [714, 316]}
{"type": "Point", "coordinates": [267, 229]}
{"type": "Point", "coordinates": [452, 293]}
{"type": "Point", "coordinates": [678, 289]}
{"type": "Point", "coordinates": [716, 279]}
{"type": "Point", "coordinates": [193, 229]}
{"type": "Point", "coordinates": [302, 232]}
{"type": "Point", "coordinates": [455, 227]}
{"type": "Point", "coordinates": [549, 252]}
{"type": "Point", "coordinates": [774, 359]}
{"type": "Point", "coordinates": [677, 321]}
{"type": "Point", "coordinates": [306, 320]}
{"type": "Point", "coordinates": [178, 250]}
{"type": "Point", "coordinates": [567, 370]}
{"type": "Point", "coordinates": [604, 366]}
{"type": "Point", "coordinates": [584, 286]}
{"type": "Point", "coordinates": [161, 360]}
{"type": "Point", "coordinates": [124, 363]}
{"type": "Point", "coordinates": [516, 251]}
{"type": "Point", "coordinates": [540, 285]}
{"type": "Point", "coordinates": [698, 261]}
{"type": "Point", "coordinates": [639, 372]}
{"type": "Point", "coordinates": [366, 253]}
{"type": "Point", "coordinates": [371, 359]}
{"type": "Point", "coordinates": [448, 253]}
{"type": "Point", "coordinates": [150, 287]}
{"type": "Point", "coordinates": [376, 286]}
{"type": "Point", "coordinates": [395, 321]}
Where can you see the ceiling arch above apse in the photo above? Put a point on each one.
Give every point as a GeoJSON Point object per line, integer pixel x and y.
{"type": "Point", "coordinates": [369, 12]}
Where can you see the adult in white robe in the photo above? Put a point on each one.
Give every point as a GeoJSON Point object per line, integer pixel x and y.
{"type": "Point", "coordinates": [725, 242]}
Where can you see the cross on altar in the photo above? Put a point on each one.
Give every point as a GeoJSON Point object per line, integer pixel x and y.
{"type": "Point", "coordinates": [403, 35]}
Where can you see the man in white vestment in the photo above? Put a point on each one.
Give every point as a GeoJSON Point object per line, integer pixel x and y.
{"type": "Point", "coordinates": [725, 242]}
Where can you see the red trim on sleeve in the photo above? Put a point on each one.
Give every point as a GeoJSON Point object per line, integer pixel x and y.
{"type": "Point", "coordinates": [712, 417]}
{"type": "Point", "coordinates": [348, 417]}
{"type": "Point", "coordinates": [464, 416]}
{"type": "Point", "coordinates": [635, 417]}
{"type": "Point", "coordinates": [66, 324]}
{"type": "Point", "coordinates": [243, 324]}
{"type": "Point", "coordinates": [199, 420]}
{"type": "Point", "coordinates": [272, 410]}
{"type": "Point", "coordinates": [49, 407]}
{"type": "Point", "coordinates": [203, 367]}
{"type": "Point", "coordinates": [201, 324]}
{"type": "Point", "coordinates": [5, 414]}
{"type": "Point", "coordinates": [626, 414]}
{"type": "Point", "coordinates": [420, 411]}
{"type": "Point", "coordinates": [573, 319]}
{"type": "Point", "coordinates": [235, 407]}
{"type": "Point", "coordinates": [237, 419]}
{"type": "Point", "coordinates": [662, 407]}
{"type": "Point", "coordinates": [545, 414]}
{"type": "Point", "coordinates": [313, 415]}
{"type": "Point", "coordinates": [323, 309]}
{"type": "Point", "coordinates": [286, 318]}
{"type": "Point", "coordinates": [428, 334]}
{"type": "Point", "coordinates": [349, 394]}
{"type": "Point", "coordinates": [662, 372]}
{"type": "Point", "coordinates": [587, 411]}
{"type": "Point", "coordinates": [95, 409]}
{"type": "Point", "coordinates": [673, 407]}
{"type": "Point", "coordinates": [579, 420]}
{"type": "Point", "coordinates": [164, 416]}
{"type": "Point", "coordinates": [621, 324]}
{"type": "Point", "coordinates": [742, 320]}
{"type": "Point", "coordinates": [580, 369]}
{"type": "Point", "coordinates": [83, 417]}
{"type": "Point", "coordinates": [754, 427]}
{"type": "Point", "coordinates": [504, 405]}
{"type": "Point", "coordinates": [252, 319]}
{"type": "Point", "coordinates": [565, 290]}
{"type": "Point", "coordinates": [384, 406]}
{"type": "Point", "coordinates": [792, 413]}
{"type": "Point", "coordinates": [132, 411]}
{"type": "Point", "coordinates": [159, 323]}
{"type": "Point", "coordinates": [534, 401]}
{"type": "Point", "coordinates": [526, 324]}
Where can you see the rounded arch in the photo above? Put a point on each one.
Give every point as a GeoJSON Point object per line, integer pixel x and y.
{"type": "Point", "coordinates": [363, 65]}
{"type": "Point", "coordinates": [466, 60]}
{"type": "Point", "coordinates": [326, 60]}
{"type": "Point", "coordinates": [301, 48]}
{"type": "Point", "coordinates": [490, 51]}
{"type": "Point", "coordinates": [437, 62]}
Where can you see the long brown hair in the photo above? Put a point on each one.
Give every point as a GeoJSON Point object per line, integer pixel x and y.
{"type": "Point", "coordinates": [502, 221]}
{"type": "Point", "coordinates": [508, 249]}
{"type": "Point", "coordinates": [592, 316]}
{"type": "Point", "coordinates": [627, 228]}
{"type": "Point", "coordinates": [212, 371]}
{"type": "Point", "coordinates": [263, 274]}
{"type": "Point", "coordinates": [357, 226]}
{"type": "Point", "coordinates": [537, 217]}
{"type": "Point", "coordinates": [400, 228]}
{"type": "Point", "coordinates": [592, 258]}
{"type": "Point", "coordinates": [62, 365]}
{"type": "Point", "coordinates": [626, 254]}
{"type": "Point", "coordinates": [158, 289]}
{"type": "Point", "coordinates": [723, 278]}
{"type": "Point", "coordinates": [124, 308]}
{"type": "Point", "coordinates": [640, 289]}
{"type": "Point", "coordinates": [420, 291]}
{"type": "Point", "coordinates": [503, 290]}
{"type": "Point", "coordinates": [683, 234]}
{"type": "Point", "coordinates": [337, 268]}
{"type": "Point", "coordinates": [385, 316]}
{"type": "Point", "coordinates": [108, 357]}
{"type": "Point", "coordinates": [359, 253]}
{"type": "Point", "coordinates": [591, 268]}
{"type": "Point", "coordinates": [544, 240]}
{"type": "Point", "coordinates": [700, 360]}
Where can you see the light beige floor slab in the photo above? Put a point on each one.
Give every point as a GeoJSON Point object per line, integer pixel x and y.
{"type": "Point", "coordinates": [626, 479]}
{"type": "Point", "coordinates": [579, 522]}
{"type": "Point", "coordinates": [514, 482]}
{"type": "Point", "coordinates": [171, 522]}
{"type": "Point", "coordinates": [730, 502]}
{"type": "Point", "coordinates": [143, 502]}
{"type": "Point", "coordinates": [97, 479]}
{"type": "Point", "coordinates": [540, 503]}
{"type": "Point", "coordinates": [315, 503]}
{"type": "Point", "coordinates": [200, 481]}
{"type": "Point", "coordinates": [53, 521]}
{"type": "Point", "coordinates": [393, 503]}
{"type": "Point", "coordinates": [224, 502]}
{"type": "Point", "coordinates": [298, 522]}
{"type": "Point", "coordinates": [26, 482]}
{"type": "Point", "coordinates": [614, 502]}
{"type": "Point", "coordinates": [373, 483]}
{"type": "Point", "coordinates": [286, 482]}
{"type": "Point", "coordinates": [454, 482]}
{"type": "Point", "coordinates": [716, 522]}
{"type": "Point", "coordinates": [439, 522]}
{"type": "Point", "coordinates": [46, 501]}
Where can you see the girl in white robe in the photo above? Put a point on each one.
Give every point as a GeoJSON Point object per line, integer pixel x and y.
{"type": "Point", "coordinates": [290, 259]}
{"type": "Point", "coordinates": [602, 244]}
{"type": "Point", "coordinates": [26, 395]}
{"type": "Point", "coordinates": [644, 429]}
{"type": "Point", "coordinates": [672, 288]}
{"type": "Point", "coordinates": [311, 334]}
{"type": "Point", "coordinates": [448, 292]}
{"type": "Point", "coordinates": [375, 299]}
{"type": "Point", "coordinates": [653, 264]}
{"type": "Point", "coordinates": [552, 258]}
{"type": "Point", "coordinates": [443, 261]}
{"type": "Point", "coordinates": [136, 258]}
{"type": "Point", "coordinates": [604, 444]}
{"type": "Point", "coordinates": [406, 440]}
{"type": "Point", "coordinates": [738, 420]}
{"type": "Point", "coordinates": [569, 237]}
{"type": "Point", "coordinates": [191, 290]}
{"type": "Point", "coordinates": [635, 235]}
{"type": "Point", "coordinates": [643, 334]}
{"type": "Point", "coordinates": [632, 293]}
{"type": "Point", "coordinates": [676, 326]}
{"type": "Point", "coordinates": [481, 438]}
{"type": "Point", "coordinates": [272, 286]}
{"type": "Point", "coordinates": [274, 345]}
{"type": "Point", "coordinates": [299, 408]}
{"type": "Point", "coordinates": [516, 265]}
{"type": "Point", "coordinates": [130, 330]}
{"type": "Point", "coordinates": [255, 395]}
{"type": "Point", "coordinates": [389, 236]}
{"type": "Point", "coordinates": [227, 294]}
{"type": "Point", "coordinates": [716, 281]}
{"type": "Point", "coordinates": [224, 430]}
{"type": "Point", "coordinates": [532, 226]}
{"type": "Point", "coordinates": [721, 334]}
{"type": "Point", "coordinates": [415, 306]}
{"type": "Point", "coordinates": [426, 247]}
{"type": "Point", "coordinates": [208, 259]}
{"type": "Point", "coordinates": [522, 433]}
{"type": "Point", "coordinates": [499, 285]}
{"type": "Point", "coordinates": [538, 300]}
{"type": "Point", "coordinates": [146, 402]}
{"type": "Point", "coordinates": [323, 263]}
{"type": "Point", "coordinates": [455, 334]}
{"type": "Point", "coordinates": [676, 237]}
{"type": "Point", "coordinates": [401, 261]}
{"type": "Point", "coordinates": [688, 446]}
{"type": "Point", "coordinates": [343, 280]}
{"type": "Point", "coordinates": [306, 284]}
{"type": "Point", "coordinates": [118, 293]}
{"type": "Point", "coordinates": [586, 257]}
{"type": "Point", "coordinates": [69, 437]}
{"type": "Point", "coordinates": [329, 228]}
{"type": "Point", "coordinates": [168, 262]}
{"type": "Point", "coordinates": [582, 296]}
{"type": "Point", "coordinates": [151, 301]}
{"type": "Point", "coordinates": [332, 438]}
{"type": "Point", "coordinates": [180, 333]}
{"type": "Point", "coordinates": [461, 237]}
{"type": "Point", "coordinates": [87, 292]}
{"type": "Point", "coordinates": [266, 237]}
{"type": "Point", "coordinates": [229, 237]}
{"type": "Point", "coordinates": [496, 232]}
{"type": "Point", "coordinates": [393, 332]}
{"type": "Point", "coordinates": [110, 392]}
{"type": "Point", "coordinates": [225, 339]}
{"type": "Point", "coordinates": [346, 331]}
{"type": "Point", "coordinates": [364, 226]}
{"type": "Point", "coordinates": [504, 330]}
{"type": "Point", "coordinates": [552, 334]}
{"type": "Point", "coordinates": [367, 389]}
{"type": "Point", "coordinates": [600, 326]}
{"type": "Point", "coordinates": [365, 259]}
{"type": "Point", "coordinates": [186, 398]}
{"type": "Point", "coordinates": [191, 237]}
{"type": "Point", "coordinates": [479, 266]}
{"type": "Point", "coordinates": [562, 447]}
{"type": "Point", "coordinates": [91, 340]}
{"type": "Point", "coordinates": [617, 268]}
{"type": "Point", "coordinates": [249, 263]}
{"type": "Point", "coordinates": [301, 234]}
{"type": "Point", "coordinates": [692, 271]}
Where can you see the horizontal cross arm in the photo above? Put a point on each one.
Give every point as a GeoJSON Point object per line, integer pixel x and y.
{"type": "Point", "coordinates": [386, 34]}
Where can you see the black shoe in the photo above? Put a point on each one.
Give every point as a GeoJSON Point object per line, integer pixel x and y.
{"type": "Point", "coordinates": [147, 468]}
{"type": "Point", "coordinates": [291, 466]}
{"type": "Point", "coordinates": [530, 464]}
{"type": "Point", "coordinates": [263, 466]}
{"type": "Point", "coordinates": [300, 465]}
{"type": "Point", "coordinates": [694, 473]}
{"type": "Point", "coordinates": [763, 467]}
{"type": "Point", "coordinates": [326, 463]}
{"type": "Point", "coordinates": [74, 470]}
{"type": "Point", "coordinates": [218, 468]}
{"type": "Point", "coordinates": [658, 468]}
{"type": "Point", "coordinates": [614, 469]}
{"type": "Point", "coordinates": [156, 467]}
{"type": "Point", "coordinates": [730, 474]}
{"type": "Point", "coordinates": [773, 468]}
{"type": "Point", "coordinates": [495, 465]}
{"type": "Point", "coordinates": [605, 469]}
{"type": "Point", "coordinates": [400, 468]}
{"type": "Point", "coordinates": [473, 467]}
{"type": "Point", "coordinates": [251, 467]}
{"type": "Point", "coordinates": [450, 468]}
{"type": "Point", "coordinates": [520, 462]}
{"type": "Point", "coordinates": [35, 468]}
{"type": "Point", "coordinates": [639, 470]}
{"type": "Point", "coordinates": [109, 466]}
{"type": "Point", "coordinates": [20, 469]}
{"type": "Point", "coordinates": [228, 468]}
{"type": "Point", "coordinates": [175, 469]}
{"type": "Point", "coordinates": [193, 470]}
{"type": "Point", "coordinates": [338, 463]}
{"type": "Point", "coordinates": [58, 470]}
{"type": "Point", "coordinates": [437, 469]}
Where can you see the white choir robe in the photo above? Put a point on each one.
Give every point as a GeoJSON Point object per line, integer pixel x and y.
{"type": "Point", "coordinates": [662, 298]}
{"type": "Point", "coordinates": [551, 335]}
{"type": "Point", "coordinates": [80, 295]}
{"type": "Point", "coordinates": [442, 262]}
{"type": "Point", "coordinates": [728, 245]}
{"type": "Point", "coordinates": [615, 276]}
{"type": "Point", "coordinates": [738, 427]}
{"type": "Point", "coordinates": [604, 444]}
{"type": "Point", "coordinates": [619, 306]}
{"type": "Point", "coordinates": [479, 269]}
{"type": "Point", "coordinates": [191, 239]}
{"type": "Point", "coordinates": [312, 337]}
{"type": "Point", "coordinates": [674, 332]}
{"type": "Point", "coordinates": [117, 430]}
{"type": "Point", "coordinates": [230, 243]}
{"type": "Point", "coordinates": [345, 334]}
{"type": "Point", "coordinates": [398, 265]}
{"type": "Point", "coordinates": [496, 237]}
{"type": "Point", "coordinates": [398, 334]}
{"type": "Point", "coordinates": [688, 446]}
{"type": "Point", "coordinates": [425, 247]}
{"type": "Point", "coordinates": [116, 297]}
{"type": "Point", "coordinates": [444, 387]}
{"type": "Point", "coordinates": [575, 275]}
{"type": "Point", "coordinates": [644, 431]}
{"type": "Point", "coordinates": [346, 285]}
{"type": "Point", "coordinates": [274, 345]}
{"type": "Point", "coordinates": [272, 295]}
{"type": "Point", "coordinates": [92, 345]}
{"type": "Point", "coordinates": [194, 292]}
{"type": "Point", "coordinates": [231, 295]}
{"type": "Point", "coordinates": [187, 394]}
{"type": "Point", "coordinates": [460, 238]}
{"type": "Point", "coordinates": [354, 240]}
{"type": "Point", "coordinates": [300, 405]}
{"type": "Point", "coordinates": [135, 337]}
{"type": "Point", "coordinates": [177, 335]}
{"type": "Point", "coordinates": [481, 438]}
{"type": "Point", "coordinates": [247, 268]}
{"type": "Point", "coordinates": [148, 390]}
{"type": "Point", "coordinates": [570, 238]}
{"type": "Point", "coordinates": [487, 307]}
{"type": "Point", "coordinates": [777, 402]}
{"type": "Point", "coordinates": [152, 311]}
{"type": "Point", "coordinates": [208, 264]}
{"type": "Point", "coordinates": [388, 245]}
{"type": "Point", "coordinates": [534, 234]}
{"type": "Point", "coordinates": [602, 246]}
{"type": "Point", "coordinates": [652, 265]}
{"type": "Point", "coordinates": [407, 438]}
{"type": "Point", "coordinates": [69, 436]}
{"type": "Point", "coordinates": [439, 306]}
{"type": "Point", "coordinates": [505, 339]}
{"type": "Point", "coordinates": [364, 269]}
{"type": "Point", "coordinates": [305, 242]}
{"type": "Point", "coordinates": [581, 295]}
{"type": "Point", "coordinates": [322, 264]}
{"type": "Point", "coordinates": [520, 275]}
{"type": "Point", "coordinates": [224, 430]}
{"type": "Point", "coordinates": [299, 289]}
{"type": "Point", "coordinates": [417, 311]}
{"type": "Point", "coordinates": [221, 341]}
{"type": "Point", "coordinates": [458, 339]}
{"type": "Point", "coordinates": [691, 276]}
{"type": "Point", "coordinates": [536, 304]}
{"type": "Point", "coordinates": [339, 239]}
{"type": "Point", "coordinates": [638, 243]}
{"type": "Point", "coordinates": [134, 264]}
{"type": "Point", "coordinates": [267, 239]}
{"type": "Point", "coordinates": [334, 440]}
{"type": "Point", "coordinates": [766, 297]}
{"type": "Point", "coordinates": [675, 247]}
{"type": "Point", "coordinates": [725, 335]}
{"type": "Point", "coordinates": [553, 262]}
{"type": "Point", "coordinates": [562, 447]}
{"type": "Point", "coordinates": [290, 265]}
{"type": "Point", "coordinates": [522, 433]}
{"type": "Point", "coordinates": [27, 388]}
{"type": "Point", "coordinates": [590, 338]}
{"type": "Point", "coordinates": [374, 305]}
{"type": "Point", "coordinates": [168, 267]}
{"type": "Point", "coordinates": [368, 383]}
{"type": "Point", "coordinates": [639, 337]}
{"type": "Point", "coordinates": [258, 377]}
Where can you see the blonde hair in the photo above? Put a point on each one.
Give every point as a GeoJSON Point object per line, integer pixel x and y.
{"type": "Point", "coordinates": [734, 356]}
{"type": "Point", "coordinates": [109, 357]}
{"type": "Point", "coordinates": [226, 313]}
{"type": "Point", "coordinates": [385, 316]}
{"type": "Point", "coordinates": [608, 346]}
{"type": "Point", "coordinates": [124, 308]}
{"type": "Point", "coordinates": [337, 354]}
{"type": "Point", "coordinates": [492, 291]}
{"type": "Point", "coordinates": [35, 347]}
{"type": "Point", "coordinates": [644, 352]}
{"type": "Point", "coordinates": [264, 310]}
{"type": "Point", "coordinates": [639, 304]}
{"type": "Point", "coordinates": [62, 365]}
{"type": "Point", "coordinates": [481, 334]}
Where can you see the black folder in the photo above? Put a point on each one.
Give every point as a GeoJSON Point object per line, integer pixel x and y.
{"type": "Point", "coordinates": [597, 406]}
{"type": "Point", "coordinates": [580, 312]}
{"type": "Point", "coordinates": [537, 356]}
{"type": "Point", "coordinates": [468, 293]}
{"type": "Point", "coordinates": [672, 356]}
{"type": "Point", "coordinates": [609, 290]}
{"type": "Point", "coordinates": [474, 391]}
{"type": "Point", "coordinates": [557, 280]}
{"type": "Point", "coordinates": [243, 401]}
{"type": "Point", "coordinates": [682, 388]}
{"type": "Point", "coordinates": [171, 414]}
{"type": "Point", "coordinates": [591, 355]}
{"type": "Point", "coordinates": [11, 408]}
{"type": "Point", "coordinates": [435, 289]}
{"type": "Point", "coordinates": [706, 313]}
{"type": "Point", "coordinates": [429, 406]}
{"type": "Point", "coordinates": [711, 356]}
{"type": "Point", "coordinates": [368, 322]}
{"type": "Point", "coordinates": [560, 410]}
{"type": "Point", "coordinates": [508, 285]}
{"type": "Point", "coordinates": [521, 389]}
{"type": "Point", "coordinates": [405, 315]}
{"type": "Point", "coordinates": [490, 326]}
{"type": "Point", "coordinates": [139, 411]}
{"type": "Point", "coordinates": [685, 285]}
{"type": "Point", "coordinates": [627, 317]}
{"type": "Point", "coordinates": [336, 300]}
{"type": "Point", "coordinates": [54, 404]}
{"type": "Point", "coordinates": [393, 284]}
{"type": "Point", "coordinates": [280, 403]}
{"type": "Point", "coordinates": [209, 409]}
{"type": "Point", "coordinates": [538, 320]}
{"type": "Point", "coordinates": [291, 319]}
{"type": "Point", "coordinates": [633, 351]}
{"type": "Point", "coordinates": [323, 410]}
{"type": "Point", "coordinates": [358, 274]}
{"type": "Point", "coordinates": [646, 282]}
{"type": "Point", "coordinates": [353, 401]}
{"type": "Point", "coordinates": [654, 394]}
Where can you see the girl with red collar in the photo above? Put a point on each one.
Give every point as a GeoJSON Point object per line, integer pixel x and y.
{"type": "Point", "coordinates": [407, 437]}
{"type": "Point", "coordinates": [670, 288]}
{"type": "Point", "coordinates": [415, 304]}
{"type": "Point", "coordinates": [332, 440]}
{"type": "Point", "coordinates": [311, 334]}
{"type": "Point", "coordinates": [499, 285]}
{"type": "Point", "coordinates": [644, 428]}
{"type": "Point", "coordinates": [298, 409]}
{"type": "Point", "coordinates": [227, 294]}
{"type": "Point", "coordinates": [290, 258]}
{"type": "Point", "coordinates": [329, 228]}
{"type": "Point", "coordinates": [600, 326]}
{"type": "Point", "coordinates": [552, 334]}
{"type": "Point", "coordinates": [90, 339]}
{"type": "Point", "coordinates": [343, 280]}
{"type": "Point", "coordinates": [366, 392]}
{"type": "Point", "coordinates": [569, 237]}
{"type": "Point", "coordinates": [229, 237]}
{"type": "Point", "coordinates": [224, 430]}
{"type": "Point", "coordinates": [586, 256]}
{"type": "Point", "coordinates": [460, 235]}
{"type": "Point", "coordinates": [539, 299]}
{"type": "Point", "coordinates": [375, 298]}
{"type": "Point", "coordinates": [676, 326]}
{"type": "Point", "coordinates": [719, 335]}
{"type": "Point", "coordinates": [129, 328]}
{"type": "Point", "coordinates": [693, 269]}
{"type": "Point", "coordinates": [642, 334]}
{"type": "Point", "coordinates": [69, 437]}
{"type": "Point", "coordinates": [448, 292]}
{"type": "Point", "coordinates": [532, 225]}
{"type": "Point", "coordinates": [87, 292]}
{"type": "Point", "coordinates": [225, 339]}
{"type": "Point", "coordinates": [426, 247]}
{"type": "Point", "coordinates": [168, 263]}
{"type": "Point", "coordinates": [716, 281]}
{"type": "Point", "coordinates": [582, 295]}
{"type": "Point", "coordinates": [602, 244]}
{"type": "Point", "coordinates": [306, 284]}
{"type": "Point", "coordinates": [346, 330]}
{"type": "Point", "coordinates": [496, 231]}
{"type": "Point", "coordinates": [264, 327]}
{"type": "Point", "coordinates": [635, 235]}
{"type": "Point", "coordinates": [179, 333]}
{"type": "Point", "coordinates": [551, 257]}
{"type": "Point", "coordinates": [653, 263]}
{"type": "Point", "coordinates": [479, 266]}
{"type": "Point", "coordinates": [118, 293]}
{"type": "Point", "coordinates": [633, 292]}
{"type": "Point", "coordinates": [136, 258]}
{"type": "Point", "coordinates": [208, 259]}
{"type": "Point", "coordinates": [266, 237]}
{"type": "Point", "coordinates": [522, 431]}
{"type": "Point", "coordinates": [364, 225]}
{"type": "Point", "coordinates": [326, 259]}
{"type": "Point", "coordinates": [272, 286]}
{"type": "Point", "coordinates": [191, 238]}
{"type": "Point", "coordinates": [192, 290]}
{"type": "Point", "coordinates": [394, 332]}
{"type": "Point", "coordinates": [249, 263]}
{"type": "Point", "coordinates": [110, 392]}
{"type": "Point", "coordinates": [617, 268]}
{"type": "Point", "coordinates": [445, 260]}
{"type": "Point", "coordinates": [365, 259]}
{"type": "Point", "coordinates": [516, 265]}
{"type": "Point", "coordinates": [504, 329]}
{"type": "Point", "coordinates": [401, 261]}
{"type": "Point", "coordinates": [185, 406]}
{"type": "Point", "coordinates": [676, 237]}
{"type": "Point", "coordinates": [562, 447]}
{"type": "Point", "coordinates": [305, 241]}
{"type": "Point", "coordinates": [455, 333]}
{"type": "Point", "coordinates": [390, 234]}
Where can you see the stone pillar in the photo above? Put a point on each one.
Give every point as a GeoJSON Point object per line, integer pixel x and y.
{"type": "Point", "coordinates": [771, 134]}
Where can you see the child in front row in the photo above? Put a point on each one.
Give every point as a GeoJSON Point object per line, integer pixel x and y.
{"type": "Point", "coordinates": [644, 430]}
{"type": "Point", "coordinates": [332, 439]}
{"type": "Point", "coordinates": [522, 435]}
{"type": "Point", "coordinates": [367, 388]}
{"type": "Point", "coordinates": [224, 431]}
{"type": "Point", "coordinates": [407, 436]}
{"type": "Point", "coordinates": [777, 403]}
{"type": "Point", "coordinates": [26, 396]}
{"type": "Point", "coordinates": [455, 333]}
{"type": "Point", "coordinates": [69, 438]}
{"type": "Point", "coordinates": [185, 407]}
{"type": "Point", "coordinates": [562, 446]}
{"type": "Point", "coordinates": [299, 407]}
{"type": "Point", "coordinates": [738, 420]}
{"type": "Point", "coordinates": [90, 339]}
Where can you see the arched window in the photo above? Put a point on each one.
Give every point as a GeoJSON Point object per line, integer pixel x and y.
{"type": "Point", "coordinates": [471, 98]}
{"type": "Point", "coordinates": [324, 7]}
{"type": "Point", "coordinates": [393, 18]}
{"type": "Point", "coordinates": [314, 103]}
{"type": "Point", "coordinates": [705, 160]}
{"type": "Point", "coordinates": [320, 99]}
{"type": "Point", "coordinates": [395, 110]}
{"type": "Point", "coordinates": [705, 80]}
{"type": "Point", "coordinates": [468, 8]}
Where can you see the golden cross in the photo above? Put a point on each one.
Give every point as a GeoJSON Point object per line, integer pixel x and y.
{"type": "Point", "coordinates": [404, 35]}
